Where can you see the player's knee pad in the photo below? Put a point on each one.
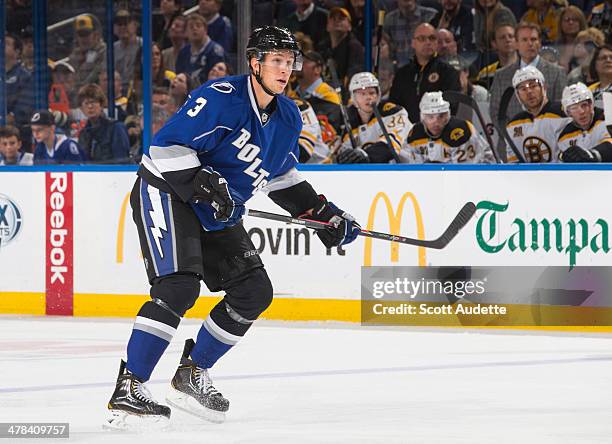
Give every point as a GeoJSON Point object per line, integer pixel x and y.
{"type": "Point", "coordinates": [250, 297]}
{"type": "Point", "coordinates": [176, 293]}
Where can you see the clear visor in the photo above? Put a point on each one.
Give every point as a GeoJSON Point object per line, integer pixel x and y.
{"type": "Point", "coordinates": [282, 60]}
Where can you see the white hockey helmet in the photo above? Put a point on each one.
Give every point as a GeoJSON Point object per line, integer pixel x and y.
{"type": "Point", "coordinates": [576, 93]}
{"type": "Point", "coordinates": [363, 80]}
{"type": "Point", "coordinates": [527, 73]}
{"type": "Point", "coordinates": [434, 103]}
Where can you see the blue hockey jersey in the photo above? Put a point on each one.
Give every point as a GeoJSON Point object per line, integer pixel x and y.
{"type": "Point", "coordinates": [220, 126]}
{"type": "Point", "coordinates": [64, 150]}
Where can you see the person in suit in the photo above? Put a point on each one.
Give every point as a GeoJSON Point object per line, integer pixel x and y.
{"type": "Point", "coordinates": [529, 42]}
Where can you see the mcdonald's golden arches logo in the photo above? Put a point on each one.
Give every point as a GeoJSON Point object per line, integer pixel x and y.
{"type": "Point", "coordinates": [395, 222]}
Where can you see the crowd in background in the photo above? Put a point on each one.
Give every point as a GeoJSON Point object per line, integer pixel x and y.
{"type": "Point", "coordinates": [424, 46]}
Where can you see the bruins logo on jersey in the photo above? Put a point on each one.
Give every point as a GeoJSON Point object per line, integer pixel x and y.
{"type": "Point", "coordinates": [536, 150]}
{"type": "Point", "coordinates": [388, 106]}
{"type": "Point", "coordinates": [457, 134]}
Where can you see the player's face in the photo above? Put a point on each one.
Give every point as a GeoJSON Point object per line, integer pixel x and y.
{"type": "Point", "coordinates": [9, 146]}
{"type": "Point", "coordinates": [582, 113]}
{"type": "Point", "coordinates": [531, 94]}
{"type": "Point", "coordinates": [275, 70]}
{"type": "Point", "coordinates": [41, 132]}
{"type": "Point", "coordinates": [435, 123]}
{"type": "Point", "coordinates": [366, 99]}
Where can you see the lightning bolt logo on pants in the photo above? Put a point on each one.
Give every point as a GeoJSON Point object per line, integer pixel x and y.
{"type": "Point", "coordinates": [158, 218]}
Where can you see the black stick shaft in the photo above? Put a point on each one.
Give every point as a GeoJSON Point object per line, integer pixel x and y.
{"type": "Point", "coordinates": [386, 134]}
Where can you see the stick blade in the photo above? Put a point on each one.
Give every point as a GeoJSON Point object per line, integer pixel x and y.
{"type": "Point", "coordinates": [461, 219]}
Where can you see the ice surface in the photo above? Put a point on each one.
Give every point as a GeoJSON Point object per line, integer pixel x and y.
{"type": "Point", "coordinates": [331, 383]}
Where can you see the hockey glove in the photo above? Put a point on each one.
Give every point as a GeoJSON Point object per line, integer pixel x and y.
{"type": "Point", "coordinates": [212, 188]}
{"type": "Point", "coordinates": [576, 154]}
{"type": "Point", "coordinates": [356, 155]}
{"type": "Point", "coordinates": [343, 230]}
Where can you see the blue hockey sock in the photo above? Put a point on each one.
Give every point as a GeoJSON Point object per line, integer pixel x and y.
{"type": "Point", "coordinates": [212, 343]}
{"type": "Point", "coordinates": [146, 346]}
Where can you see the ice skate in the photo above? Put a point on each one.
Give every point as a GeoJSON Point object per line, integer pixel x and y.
{"type": "Point", "coordinates": [132, 408]}
{"type": "Point", "coordinates": [193, 392]}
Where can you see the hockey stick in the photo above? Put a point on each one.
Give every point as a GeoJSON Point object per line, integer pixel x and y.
{"type": "Point", "coordinates": [502, 119]}
{"type": "Point", "coordinates": [460, 98]}
{"type": "Point", "coordinates": [460, 221]}
{"type": "Point", "coordinates": [386, 134]}
{"type": "Point", "coordinates": [347, 124]}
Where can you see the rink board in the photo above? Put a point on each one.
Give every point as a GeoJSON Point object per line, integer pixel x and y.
{"type": "Point", "coordinates": [76, 250]}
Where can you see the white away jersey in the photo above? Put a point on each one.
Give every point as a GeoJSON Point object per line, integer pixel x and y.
{"type": "Point", "coordinates": [458, 143]}
{"type": "Point", "coordinates": [311, 139]}
{"type": "Point", "coordinates": [394, 117]}
{"type": "Point", "coordinates": [589, 138]}
{"type": "Point", "coordinates": [536, 137]}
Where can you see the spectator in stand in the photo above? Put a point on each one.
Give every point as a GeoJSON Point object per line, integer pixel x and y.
{"type": "Point", "coordinates": [529, 45]}
{"type": "Point", "coordinates": [61, 93]}
{"type": "Point", "coordinates": [504, 43]}
{"type": "Point", "coordinates": [386, 74]}
{"type": "Point", "coordinates": [19, 13]}
{"type": "Point", "coordinates": [161, 97]}
{"type": "Point", "coordinates": [400, 25]}
{"type": "Point", "coordinates": [357, 10]}
{"type": "Point", "coordinates": [27, 54]}
{"type": "Point", "coordinates": [447, 46]}
{"type": "Point", "coordinates": [159, 116]}
{"type": "Point", "coordinates": [457, 18]}
{"type": "Point", "coordinates": [162, 22]}
{"type": "Point", "coordinates": [161, 75]}
{"type": "Point", "coordinates": [104, 140]}
{"type": "Point", "coordinates": [88, 57]}
{"type": "Point", "coordinates": [545, 14]}
{"type": "Point", "coordinates": [220, 27]}
{"type": "Point", "coordinates": [307, 18]}
{"type": "Point", "coordinates": [10, 148]}
{"type": "Point", "coordinates": [127, 48]}
{"type": "Point", "coordinates": [18, 83]}
{"type": "Point", "coordinates": [52, 147]}
{"type": "Point", "coordinates": [180, 88]}
{"type": "Point", "coordinates": [489, 15]}
{"type": "Point", "coordinates": [178, 39]}
{"type": "Point", "coordinates": [601, 70]}
{"type": "Point", "coordinates": [425, 73]}
{"type": "Point", "coordinates": [121, 101]}
{"type": "Point", "coordinates": [220, 69]}
{"type": "Point", "coordinates": [342, 46]}
{"type": "Point", "coordinates": [201, 53]}
{"type": "Point", "coordinates": [304, 41]}
{"type": "Point", "coordinates": [571, 22]}
{"type": "Point", "coordinates": [601, 18]}
{"type": "Point", "coordinates": [585, 44]}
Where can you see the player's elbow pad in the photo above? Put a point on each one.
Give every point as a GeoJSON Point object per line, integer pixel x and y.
{"type": "Point", "coordinates": [296, 199]}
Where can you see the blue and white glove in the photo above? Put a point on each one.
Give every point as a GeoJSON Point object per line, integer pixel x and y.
{"type": "Point", "coordinates": [343, 230]}
{"type": "Point", "coordinates": [211, 187]}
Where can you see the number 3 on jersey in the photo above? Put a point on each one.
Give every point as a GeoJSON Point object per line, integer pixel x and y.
{"type": "Point", "coordinates": [200, 102]}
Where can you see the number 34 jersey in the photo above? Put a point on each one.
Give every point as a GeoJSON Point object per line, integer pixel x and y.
{"type": "Point", "coordinates": [459, 142]}
{"type": "Point", "coordinates": [220, 126]}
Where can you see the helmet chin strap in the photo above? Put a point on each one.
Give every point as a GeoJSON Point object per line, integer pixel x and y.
{"type": "Point", "coordinates": [261, 83]}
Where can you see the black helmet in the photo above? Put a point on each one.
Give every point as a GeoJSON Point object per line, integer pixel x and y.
{"type": "Point", "coordinates": [273, 38]}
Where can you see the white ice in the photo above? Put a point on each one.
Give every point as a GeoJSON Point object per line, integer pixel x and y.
{"type": "Point", "coordinates": [326, 383]}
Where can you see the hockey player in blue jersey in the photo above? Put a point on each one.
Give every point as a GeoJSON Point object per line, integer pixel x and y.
{"type": "Point", "coordinates": [233, 137]}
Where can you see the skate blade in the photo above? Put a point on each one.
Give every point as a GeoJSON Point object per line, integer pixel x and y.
{"type": "Point", "coordinates": [190, 405]}
{"type": "Point", "coordinates": [120, 421]}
